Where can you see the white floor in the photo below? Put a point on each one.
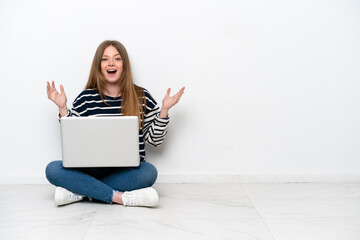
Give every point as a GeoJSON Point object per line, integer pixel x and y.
{"type": "Point", "coordinates": [286, 211]}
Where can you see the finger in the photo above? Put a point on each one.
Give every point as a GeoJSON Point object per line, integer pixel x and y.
{"type": "Point", "coordinates": [181, 92]}
{"type": "Point", "coordinates": [168, 92]}
{"type": "Point", "coordinates": [62, 89]}
{"type": "Point", "coordinates": [48, 87]}
{"type": "Point", "coordinates": [53, 88]}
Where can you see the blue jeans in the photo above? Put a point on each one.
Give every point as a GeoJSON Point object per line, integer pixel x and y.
{"type": "Point", "coordinates": [100, 183]}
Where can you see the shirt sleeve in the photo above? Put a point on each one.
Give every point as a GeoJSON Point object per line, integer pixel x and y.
{"type": "Point", "coordinates": [155, 128]}
{"type": "Point", "coordinates": [73, 111]}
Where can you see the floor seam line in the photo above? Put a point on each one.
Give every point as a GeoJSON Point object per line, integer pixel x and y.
{"type": "Point", "coordinates": [261, 217]}
{"type": "Point", "coordinates": [87, 230]}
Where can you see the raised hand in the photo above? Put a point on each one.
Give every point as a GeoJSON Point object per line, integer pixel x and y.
{"type": "Point", "coordinates": [58, 98]}
{"type": "Point", "coordinates": [170, 101]}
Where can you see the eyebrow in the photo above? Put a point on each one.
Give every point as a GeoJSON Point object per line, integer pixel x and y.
{"type": "Point", "coordinates": [114, 55]}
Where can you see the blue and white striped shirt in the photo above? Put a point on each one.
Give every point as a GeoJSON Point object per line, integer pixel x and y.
{"type": "Point", "coordinates": [89, 103]}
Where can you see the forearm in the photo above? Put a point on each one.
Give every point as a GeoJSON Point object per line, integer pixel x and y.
{"type": "Point", "coordinates": [155, 131]}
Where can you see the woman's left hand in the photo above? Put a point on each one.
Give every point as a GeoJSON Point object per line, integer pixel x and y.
{"type": "Point", "coordinates": [170, 101]}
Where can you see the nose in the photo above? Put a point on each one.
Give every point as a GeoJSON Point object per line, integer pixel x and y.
{"type": "Point", "coordinates": [111, 62]}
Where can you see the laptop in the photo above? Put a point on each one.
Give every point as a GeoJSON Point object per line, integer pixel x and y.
{"type": "Point", "coordinates": [100, 141]}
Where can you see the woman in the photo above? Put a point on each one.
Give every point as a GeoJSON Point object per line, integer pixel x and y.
{"type": "Point", "coordinates": [110, 91]}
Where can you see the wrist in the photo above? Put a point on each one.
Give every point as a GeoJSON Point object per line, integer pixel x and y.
{"type": "Point", "coordinates": [63, 111]}
{"type": "Point", "coordinates": [164, 113]}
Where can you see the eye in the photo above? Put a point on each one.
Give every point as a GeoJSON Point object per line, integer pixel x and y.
{"type": "Point", "coordinates": [104, 59]}
{"type": "Point", "coordinates": [118, 59]}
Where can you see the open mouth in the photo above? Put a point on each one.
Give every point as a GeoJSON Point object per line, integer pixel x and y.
{"type": "Point", "coordinates": [112, 71]}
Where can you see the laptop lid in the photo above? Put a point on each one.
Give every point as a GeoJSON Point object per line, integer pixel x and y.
{"type": "Point", "coordinates": [100, 141]}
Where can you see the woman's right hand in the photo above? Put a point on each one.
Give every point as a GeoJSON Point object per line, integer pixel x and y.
{"type": "Point", "coordinates": [58, 98]}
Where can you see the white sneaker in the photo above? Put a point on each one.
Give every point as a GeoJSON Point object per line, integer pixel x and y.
{"type": "Point", "coordinates": [145, 197]}
{"type": "Point", "coordinates": [64, 196]}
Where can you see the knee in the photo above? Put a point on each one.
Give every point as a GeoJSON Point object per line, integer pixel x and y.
{"type": "Point", "coordinates": [52, 171]}
{"type": "Point", "coordinates": [150, 173]}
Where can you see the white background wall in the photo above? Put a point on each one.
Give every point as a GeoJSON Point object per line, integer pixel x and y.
{"type": "Point", "coordinates": [272, 87]}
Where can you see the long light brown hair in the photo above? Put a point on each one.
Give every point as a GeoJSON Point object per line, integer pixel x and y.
{"type": "Point", "coordinates": [133, 96]}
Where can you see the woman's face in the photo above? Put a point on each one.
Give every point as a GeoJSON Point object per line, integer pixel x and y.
{"type": "Point", "coordinates": [111, 64]}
